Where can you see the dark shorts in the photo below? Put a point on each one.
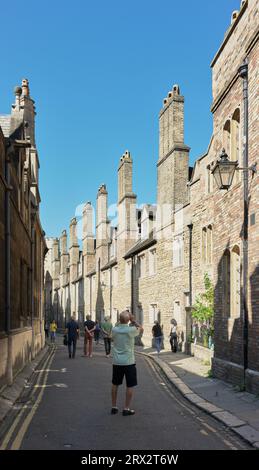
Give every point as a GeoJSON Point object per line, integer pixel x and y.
{"type": "Point", "coordinates": [130, 373]}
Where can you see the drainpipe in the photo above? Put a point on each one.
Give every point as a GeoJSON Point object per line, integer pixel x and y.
{"type": "Point", "coordinates": [243, 73]}
{"type": "Point", "coordinates": [132, 283]}
{"type": "Point", "coordinates": [90, 295]}
{"type": "Point", "coordinates": [8, 266]}
{"type": "Point", "coordinates": [189, 309]}
{"type": "Point", "coordinates": [190, 227]}
{"type": "Point", "coordinates": [32, 279]}
{"type": "Point", "coordinates": [111, 293]}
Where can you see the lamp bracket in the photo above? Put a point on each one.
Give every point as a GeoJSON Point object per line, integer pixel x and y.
{"type": "Point", "coordinates": [252, 168]}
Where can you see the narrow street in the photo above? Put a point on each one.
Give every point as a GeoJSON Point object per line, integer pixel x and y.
{"type": "Point", "coordinates": [67, 406]}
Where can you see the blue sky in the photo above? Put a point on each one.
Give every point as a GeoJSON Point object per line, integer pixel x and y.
{"type": "Point", "coordinates": [98, 72]}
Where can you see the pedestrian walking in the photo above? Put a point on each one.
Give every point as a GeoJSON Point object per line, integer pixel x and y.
{"type": "Point", "coordinates": [124, 361]}
{"type": "Point", "coordinates": [53, 329]}
{"type": "Point", "coordinates": [173, 336]}
{"type": "Point", "coordinates": [157, 335]}
{"type": "Point", "coordinates": [46, 328]}
{"type": "Point", "coordinates": [89, 326]}
{"type": "Point", "coordinates": [72, 331]}
{"type": "Point", "coordinates": [106, 328]}
{"type": "Point", "coordinates": [97, 332]}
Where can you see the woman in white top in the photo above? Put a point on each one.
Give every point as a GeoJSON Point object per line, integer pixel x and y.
{"type": "Point", "coordinates": [173, 337]}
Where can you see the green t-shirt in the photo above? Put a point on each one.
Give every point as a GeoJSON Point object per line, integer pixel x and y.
{"type": "Point", "coordinates": [107, 328]}
{"type": "Point", "coordinates": [123, 344]}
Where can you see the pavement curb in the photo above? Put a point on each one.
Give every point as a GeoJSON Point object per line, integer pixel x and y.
{"type": "Point", "coordinates": [11, 394]}
{"type": "Point", "coordinates": [241, 428]}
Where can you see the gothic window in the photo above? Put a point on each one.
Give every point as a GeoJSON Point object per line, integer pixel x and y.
{"type": "Point", "coordinates": [209, 244]}
{"type": "Point", "coordinates": [178, 252]}
{"type": "Point", "coordinates": [128, 271]}
{"type": "Point", "coordinates": [226, 137]}
{"type": "Point", "coordinates": [206, 249]}
{"type": "Point", "coordinates": [209, 179]}
{"type": "Point", "coordinates": [153, 313]}
{"type": "Point", "coordinates": [204, 244]}
{"type": "Point", "coordinates": [152, 262]}
{"type": "Point", "coordinates": [141, 266]}
{"type": "Point", "coordinates": [235, 282]}
{"type": "Point", "coordinates": [226, 282]}
{"type": "Point", "coordinates": [235, 141]}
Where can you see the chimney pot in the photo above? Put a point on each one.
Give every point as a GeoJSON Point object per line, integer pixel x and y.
{"type": "Point", "coordinates": [25, 87]}
{"type": "Point", "coordinates": [234, 16]}
{"type": "Point", "coordinates": [176, 89]}
{"type": "Point", "coordinates": [18, 90]}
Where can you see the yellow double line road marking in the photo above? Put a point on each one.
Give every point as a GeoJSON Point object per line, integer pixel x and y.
{"type": "Point", "coordinates": [21, 432]}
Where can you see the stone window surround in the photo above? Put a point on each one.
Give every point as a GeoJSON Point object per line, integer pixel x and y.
{"type": "Point", "coordinates": [231, 138]}
{"type": "Point", "coordinates": [128, 271]}
{"type": "Point", "coordinates": [178, 253]}
{"type": "Point", "coordinates": [115, 276]}
{"type": "Point", "coordinates": [232, 290]}
{"type": "Point", "coordinates": [152, 254]}
{"type": "Point", "coordinates": [141, 265]}
{"type": "Point", "coordinates": [206, 231]}
{"type": "Point", "coordinates": [153, 312]}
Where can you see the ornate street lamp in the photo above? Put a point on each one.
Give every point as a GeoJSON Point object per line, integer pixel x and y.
{"type": "Point", "coordinates": [224, 171]}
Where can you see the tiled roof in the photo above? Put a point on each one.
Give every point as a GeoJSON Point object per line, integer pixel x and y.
{"type": "Point", "coordinates": [5, 124]}
{"type": "Point", "coordinates": [111, 263]}
{"type": "Point", "coordinates": [141, 245]}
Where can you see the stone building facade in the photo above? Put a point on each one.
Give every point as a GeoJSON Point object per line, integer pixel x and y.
{"type": "Point", "coordinates": [154, 260]}
{"type": "Point", "coordinates": [22, 243]}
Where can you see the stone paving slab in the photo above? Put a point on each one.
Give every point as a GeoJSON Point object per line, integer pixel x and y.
{"type": "Point", "coordinates": [229, 419]}
{"type": "Point", "coordinates": [248, 433]}
{"type": "Point", "coordinates": [183, 388]}
{"type": "Point", "coordinates": [194, 398]}
{"type": "Point", "coordinates": [205, 405]}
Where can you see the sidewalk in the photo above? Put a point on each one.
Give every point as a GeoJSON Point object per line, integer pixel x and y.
{"type": "Point", "coordinates": [9, 395]}
{"type": "Point", "coordinates": [237, 410]}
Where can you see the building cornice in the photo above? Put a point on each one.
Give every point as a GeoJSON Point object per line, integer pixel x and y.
{"type": "Point", "coordinates": [176, 148]}
{"type": "Point", "coordinates": [91, 273]}
{"type": "Point", "coordinates": [139, 247]}
{"type": "Point", "coordinates": [191, 183]}
{"type": "Point", "coordinates": [218, 100]}
{"type": "Point", "coordinates": [229, 33]}
{"type": "Point", "coordinates": [127, 196]}
{"type": "Point", "coordinates": [110, 264]}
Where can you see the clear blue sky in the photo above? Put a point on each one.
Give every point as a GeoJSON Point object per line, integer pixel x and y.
{"type": "Point", "coordinates": [99, 71]}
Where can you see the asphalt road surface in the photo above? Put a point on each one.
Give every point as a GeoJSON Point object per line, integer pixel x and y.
{"type": "Point", "coordinates": [67, 406]}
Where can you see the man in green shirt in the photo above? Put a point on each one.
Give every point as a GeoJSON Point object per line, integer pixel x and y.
{"type": "Point", "coordinates": [123, 337]}
{"type": "Point", "coordinates": [106, 328]}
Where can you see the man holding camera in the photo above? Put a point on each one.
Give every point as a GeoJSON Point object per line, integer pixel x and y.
{"type": "Point", "coordinates": [124, 364]}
